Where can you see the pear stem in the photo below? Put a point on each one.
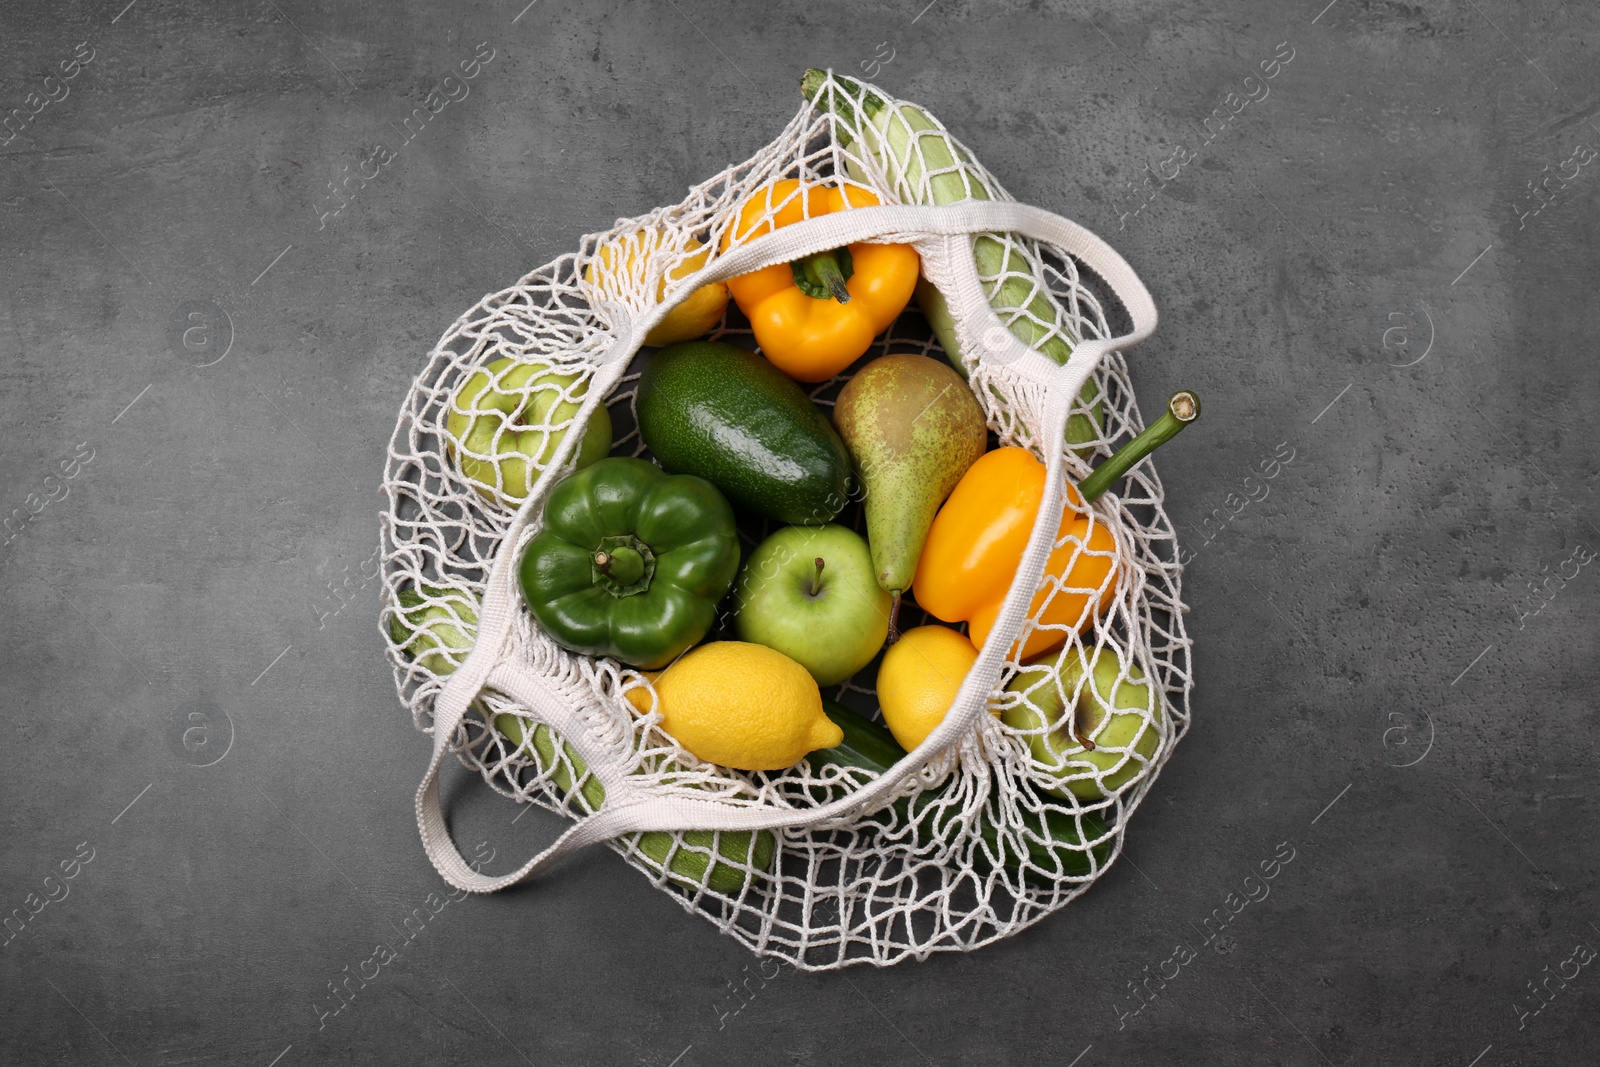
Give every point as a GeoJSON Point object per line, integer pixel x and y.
{"type": "Point", "coordinates": [894, 616]}
{"type": "Point", "coordinates": [1182, 409]}
{"type": "Point", "coordinates": [816, 583]}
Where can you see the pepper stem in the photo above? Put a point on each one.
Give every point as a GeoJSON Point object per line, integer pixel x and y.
{"type": "Point", "coordinates": [823, 275]}
{"type": "Point", "coordinates": [622, 565]}
{"type": "Point", "coordinates": [1182, 409]}
{"type": "Point", "coordinates": [816, 583]}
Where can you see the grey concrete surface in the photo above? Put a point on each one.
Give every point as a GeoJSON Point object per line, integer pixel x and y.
{"type": "Point", "coordinates": [1353, 267]}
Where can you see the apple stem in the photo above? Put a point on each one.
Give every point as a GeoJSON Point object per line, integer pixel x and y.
{"type": "Point", "coordinates": [1084, 741]}
{"type": "Point", "coordinates": [894, 616]}
{"type": "Point", "coordinates": [816, 583]}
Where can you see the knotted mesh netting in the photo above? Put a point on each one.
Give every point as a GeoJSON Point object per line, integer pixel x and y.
{"type": "Point", "coordinates": [959, 846]}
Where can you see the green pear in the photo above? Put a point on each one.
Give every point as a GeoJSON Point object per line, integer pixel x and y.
{"type": "Point", "coordinates": [913, 428]}
{"type": "Point", "coordinates": [1111, 734]}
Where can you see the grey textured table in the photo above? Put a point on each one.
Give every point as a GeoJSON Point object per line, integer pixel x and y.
{"type": "Point", "coordinates": [1380, 262]}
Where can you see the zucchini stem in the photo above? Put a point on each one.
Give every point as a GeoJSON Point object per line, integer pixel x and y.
{"type": "Point", "coordinates": [837, 102]}
{"type": "Point", "coordinates": [1182, 409]}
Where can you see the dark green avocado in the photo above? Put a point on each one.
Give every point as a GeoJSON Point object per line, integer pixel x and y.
{"type": "Point", "coordinates": [734, 419]}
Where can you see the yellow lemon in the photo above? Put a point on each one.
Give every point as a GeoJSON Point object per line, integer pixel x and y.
{"type": "Point", "coordinates": [918, 680]}
{"type": "Point", "coordinates": [693, 317]}
{"type": "Point", "coordinates": [744, 706]}
{"type": "Point", "coordinates": [641, 698]}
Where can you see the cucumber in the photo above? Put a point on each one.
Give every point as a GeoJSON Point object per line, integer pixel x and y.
{"type": "Point", "coordinates": [735, 420]}
{"type": "Point", "coordinates": [866, 744]}
{"type": "Point", "coordinates": [1056, 847]}
{"type": "Point", "coordinates": [686, 866]}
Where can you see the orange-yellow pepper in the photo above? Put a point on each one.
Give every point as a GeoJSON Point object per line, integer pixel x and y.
{"type": "Point", "coordinates": [977, 540]}
{"type": "Point", "coordinates": [814, 317]}
{"type": "Point", "coordinates": [976, 544]}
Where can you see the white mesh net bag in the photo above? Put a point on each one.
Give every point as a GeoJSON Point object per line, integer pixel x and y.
{"type": "Point", "coordinates": [972, 836]}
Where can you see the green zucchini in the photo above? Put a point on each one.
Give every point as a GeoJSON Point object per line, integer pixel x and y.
{"type": "Point", "coordinates": [908, 144]}
{"type": "Point", "coordinates": [686, 866]}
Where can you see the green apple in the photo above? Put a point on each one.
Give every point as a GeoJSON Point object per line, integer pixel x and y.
{"type": "Point", "coordinates": [498, 425]}
{"type": "Point", "coordinates": [812, 593]}
{"type": "Point", "coordinates": [1120, 720]}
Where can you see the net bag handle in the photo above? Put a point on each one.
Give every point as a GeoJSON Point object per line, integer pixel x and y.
{"type": "Point", "coordinates": [943, 237]}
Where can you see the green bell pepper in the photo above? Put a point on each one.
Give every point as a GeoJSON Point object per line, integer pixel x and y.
{"type": "Point", "coordinates": [631, 562]}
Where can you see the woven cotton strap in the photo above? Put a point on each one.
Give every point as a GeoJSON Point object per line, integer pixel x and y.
{"type": "Point", "coordinates": [930, 228]}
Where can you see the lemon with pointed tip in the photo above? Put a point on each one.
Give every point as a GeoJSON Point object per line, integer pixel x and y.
{"type": "Point", "coordinates": [919, 678]}
{"type": "Point", "coordinates": [744, 706]}
{"type": "Point", "coordinates": [618, 264]}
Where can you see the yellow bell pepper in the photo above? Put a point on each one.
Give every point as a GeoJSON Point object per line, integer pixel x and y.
{"type": "Point", "coordinates": [814, 317]}
{"type": "Point", "coordinates": [614, 263]}
{"type": "Point", "coordinates": [977, 540]}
